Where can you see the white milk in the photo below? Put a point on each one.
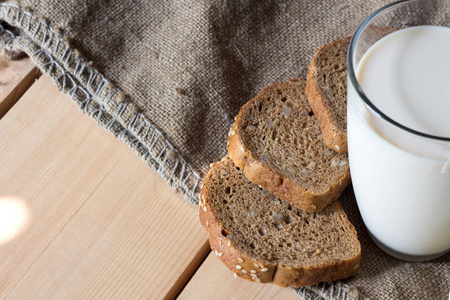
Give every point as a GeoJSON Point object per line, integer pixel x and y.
{"type": "Point", "coordinates": [401, 181]}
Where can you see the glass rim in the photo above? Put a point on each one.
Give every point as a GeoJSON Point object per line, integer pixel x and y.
{"type": "Point", "coordinates": [354, 81]}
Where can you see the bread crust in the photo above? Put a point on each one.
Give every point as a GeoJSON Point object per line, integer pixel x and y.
{"type": "Point", "coordinates": [334, 137]}
{"type": "Point", "coordinates": [275, 183]}
{"type": "Point", "coordinates": [247, 267]}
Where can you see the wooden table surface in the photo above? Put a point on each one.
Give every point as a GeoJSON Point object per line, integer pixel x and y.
{"type": "Point", "coordinates": [82, 217]}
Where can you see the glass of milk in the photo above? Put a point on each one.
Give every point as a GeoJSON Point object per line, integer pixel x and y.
{"type": "Point", "coordinates": [398, 127]}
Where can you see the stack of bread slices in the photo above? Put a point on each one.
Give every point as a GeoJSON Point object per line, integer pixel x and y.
{"type": "Point", "coordinates": [270, 207]}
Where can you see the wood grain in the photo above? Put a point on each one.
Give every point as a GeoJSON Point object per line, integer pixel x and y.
{"type": "Point", "coordinates": [98, 222]}
{"type": "Point", "coordinates": [213, 280]}
{"type": "Point", "coordinates": [16, 76]}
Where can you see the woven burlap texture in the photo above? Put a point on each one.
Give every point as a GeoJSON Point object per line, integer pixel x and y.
{"type": "Point", "coordinates": [168, 77]}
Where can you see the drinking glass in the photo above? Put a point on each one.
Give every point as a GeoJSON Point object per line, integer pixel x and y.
{"type": "Point", "coordinates": [401, 177]}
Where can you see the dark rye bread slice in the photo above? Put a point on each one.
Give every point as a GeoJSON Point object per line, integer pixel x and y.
{"type": "Point", "coordinates": [276, 140]}
{"type": "Point", "coordinates": [261, 238]}
{"type": "Point", "coordinates": [326, 90]}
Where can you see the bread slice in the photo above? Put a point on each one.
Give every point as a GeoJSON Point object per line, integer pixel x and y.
{"type": "Point", "coordinates": [261, 238]}
{"type": "Point", "coordinates": [326, 91]}
{"type": "Point", "coordinates": [277, 142]}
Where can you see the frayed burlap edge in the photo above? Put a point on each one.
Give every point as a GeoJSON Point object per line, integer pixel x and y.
{"type": "Point", "coordinates": [50, 50]}
{"type": "Point", "coordinates": [97, 97]}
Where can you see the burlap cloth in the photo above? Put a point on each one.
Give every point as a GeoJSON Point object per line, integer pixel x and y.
{"type": "Point", "coordinates": [167, 77]}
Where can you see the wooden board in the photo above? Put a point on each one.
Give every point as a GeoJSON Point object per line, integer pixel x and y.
{"type": "Point", "coordinates": [88, 219]}
{"type": "Point", "coordinates": [214, 281]}
{"type": "Point", "coordinates": [16, 76]}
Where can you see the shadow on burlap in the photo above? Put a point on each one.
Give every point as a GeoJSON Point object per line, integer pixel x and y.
{"type": "Point", "coordinates": [168, 77]}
